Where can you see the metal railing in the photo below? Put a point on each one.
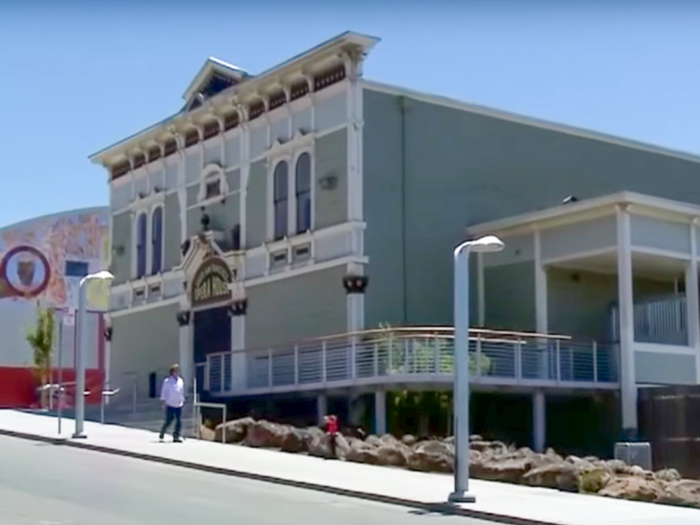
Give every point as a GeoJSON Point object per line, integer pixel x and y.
{"type": "Point", "coordinates": [662, 320]}
{"type": "Point", "coordinates": [411, 355]}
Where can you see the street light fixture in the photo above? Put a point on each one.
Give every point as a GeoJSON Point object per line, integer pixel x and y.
{"type": "Point", "coordinates": [487, 244]}
{"type": "Point", "coordinates": [101, 281]}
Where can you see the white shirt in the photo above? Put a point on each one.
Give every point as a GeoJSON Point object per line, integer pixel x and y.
{"type": "Point", "coordinates": [173, 392]}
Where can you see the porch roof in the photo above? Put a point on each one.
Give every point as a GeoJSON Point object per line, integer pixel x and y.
{"type": "Point", "coordinates": [637, 203]}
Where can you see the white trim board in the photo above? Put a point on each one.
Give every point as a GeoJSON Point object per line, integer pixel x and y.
{"type": "Point", "coordinates": [690, 211]}
{"type": "Point", "coordinates": [523, 119]}
{"type": "Point", "coordinates": [144, 307]}
{"type": "Point", "coordinates": [316, 267]}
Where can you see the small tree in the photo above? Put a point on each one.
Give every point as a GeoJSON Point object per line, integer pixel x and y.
{"type": "Point", "coordinates": [40, 338]}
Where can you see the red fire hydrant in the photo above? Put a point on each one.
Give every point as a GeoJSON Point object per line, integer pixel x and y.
{"type": "Point", "coordinates": [332, 431]}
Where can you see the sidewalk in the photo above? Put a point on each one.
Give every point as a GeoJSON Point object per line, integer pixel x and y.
{"type": "Point", "coordinates": [497, 501]}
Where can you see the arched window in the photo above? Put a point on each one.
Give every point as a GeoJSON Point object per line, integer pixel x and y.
{"type": "Point", "coordinates": [281, 197]}
{"type": "Point", "coordinates": [157, 240]}
{"type": "Point", "coordinates": [141, 227]}
{"type": "Point", "coordinates": [303, 193]}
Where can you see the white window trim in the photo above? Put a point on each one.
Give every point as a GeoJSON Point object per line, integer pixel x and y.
{"type": "Point", "coordinates": [272, 166]}
{"type": "Point", "coordinates": [312, 187]}
{"type": "Point", "coordinates": [135, 241]}
{"type": "Point", "coordinates": [289, 152]}
{"type": "Point", "coordinates": [149, 249]}
{"type": "Point", "coordinates": [211, 173]}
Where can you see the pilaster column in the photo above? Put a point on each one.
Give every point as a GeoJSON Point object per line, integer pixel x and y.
{"type": "Point", "coordinates": [186, 356]}
{"type": "Point", "coordinates": [107, 360]}
{"type": "Point", "coordinates": [628, 380]}
{"type": "Point", "coordinates": [237, 311]}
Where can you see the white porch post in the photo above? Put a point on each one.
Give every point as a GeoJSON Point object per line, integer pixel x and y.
{"type": "Point", "coordinates": [480, 290]}
{"type": "Point", "coordinates": [692, 298]}
{"type": "Point", "coordinates": [542, 319]}
{"type": "Point", "coordinates": [628, 381]}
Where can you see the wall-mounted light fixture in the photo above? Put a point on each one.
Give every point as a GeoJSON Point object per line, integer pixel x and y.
{"type": "Point", "coordinates": [328, 182]}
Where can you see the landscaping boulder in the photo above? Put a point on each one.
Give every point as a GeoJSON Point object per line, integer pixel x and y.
{"type": "Point", "coordinates": [510, 470]}
{"type": "Point", "coordinates": [409, 440]}
{"type": "Point", "coordinates": [395, 455]}
{"type": "Point", "coordinates": [492, 448]}
{"type": "Point", "coordinates": [685, 492]}
{"type": "Point", "coordinates": [206, 433]}
{"type": "Point", "coordinates": [432, 456]}
{"type": "Point", "coordinates": [634, 488]}
{"type": "Point", "coordinates": [236, 430]}
{"type": "Point", "coordinates": [320, 447]}
{"type": "Point", "coordinates": [555, 475]}
{"type": "Point", "coordinates": [669, 474]}
{"type": "Point", "coordinates": [593, 480]}
{"type": "Point", "coordinates": [361, 452]}
{"type": "Point", "coordinates": [295, 440]}
{"type": "Point", "coordinates": [264, 434]}
{"type": "Point", "coordinates": [373, 440]}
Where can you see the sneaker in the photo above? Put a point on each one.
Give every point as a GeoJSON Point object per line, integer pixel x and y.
{"type": "Point", "coordinates": [177, 440]}
{"type": "Point", "coordinates": [160, 439]}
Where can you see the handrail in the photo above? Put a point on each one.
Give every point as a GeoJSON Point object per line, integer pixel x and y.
{"type": "Point", "coordinates": [414, 331]}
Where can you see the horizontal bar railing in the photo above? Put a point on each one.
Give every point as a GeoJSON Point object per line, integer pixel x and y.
{"type": "Point", "coordinates": [661, 320]}
{"type": "Point", "coordinates": [380, 354]}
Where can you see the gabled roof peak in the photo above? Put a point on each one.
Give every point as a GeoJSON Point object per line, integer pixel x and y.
{"type": "Point", "coordinates": [214, 76]}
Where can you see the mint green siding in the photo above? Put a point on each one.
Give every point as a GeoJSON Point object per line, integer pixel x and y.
{"type": "Point", "coordinates": [121, 247]}
{"type": "Point", "coordinates": [331, 158]}
{"type": "Point", "coordinates": [256, 205]}
{"type": "Point", "coordinates": [143, 342]}
{"type": "Point", "coordinates": [430, 171]}
{"type": "Point", "coordinates": [292, 309]}
{"type": "Point", "coordinates": [510, 296]}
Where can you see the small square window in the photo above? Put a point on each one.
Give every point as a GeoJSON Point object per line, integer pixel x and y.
{"type": "Point", "coordinates": [212, 189]}
{"type": "Point", "coordinates": [76, 269]}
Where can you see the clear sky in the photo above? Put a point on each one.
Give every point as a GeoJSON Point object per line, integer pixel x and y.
{"type": "Point", "coordinates": [78, 76]}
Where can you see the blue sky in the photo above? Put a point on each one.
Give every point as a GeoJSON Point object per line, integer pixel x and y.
{"type": "Point", "coordinates": [78, 76]}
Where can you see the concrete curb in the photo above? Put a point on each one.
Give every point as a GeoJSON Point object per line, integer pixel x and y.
{"type": "Point", "coordinates": [442, 508]}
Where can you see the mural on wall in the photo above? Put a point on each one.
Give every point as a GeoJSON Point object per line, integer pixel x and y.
{"type": "Point", "coordinates": [39, 258]}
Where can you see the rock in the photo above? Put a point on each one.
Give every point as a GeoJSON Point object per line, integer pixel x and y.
{"type": "Point", "coordinates": [388, 439]}
{"type": "Point", "coordinates": [236, 430]}
{"type": "Point", "coordinates": [206, 433]}
{"type": "Point", "coordinates": [561, 475]}
{"type": "Point", "coordinates": [395, 456]}
{"type": "Point", "coordinates": [502, 469]}
{"type": "Point", "coordinates": [634, 488]}
{"type": "Point", "coordinates": [685, 492]}
{"type": "Point", "coordinates": [495, 448]}
{"type": "Point", "coordinates": [263, 434]}
{"type": "Point", "coordinates": [409, 440]}
{"type": "Point", "coordinates": [314, 432]}
{"type": "Point", "coordinates": [373, 440]}
{"type": "Point", "coordinates": [594, 480]}
{"type": "Point", "coordinates": [474, 437]}
{"type": "Point", "coordinates": [636, 470]}
{"type": "Point", "coordinates": [432, 456]}
{"type": "Point", "coordinates": [295, 440]}
{"type": "Point", "coordinates": [592, 459]}
{"type": "Point", "coordinates": [618, 467]}
{"type": "Point", "coordinates": [320, 447]}
{"type": "Point", "coordinates": [669, 474]}
{"type": "Point", "coordinates": [361, 452]}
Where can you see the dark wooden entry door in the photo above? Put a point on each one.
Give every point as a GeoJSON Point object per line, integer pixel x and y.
{"type": "Point", "coordinates": [212, 333]}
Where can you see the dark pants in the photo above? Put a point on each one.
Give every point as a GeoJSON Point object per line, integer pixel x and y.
{"type": "Point", "coordinates": [170, 414]}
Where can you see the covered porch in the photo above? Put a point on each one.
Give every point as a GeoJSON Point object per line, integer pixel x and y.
{"type": "Point", "coordinates": [620, 269]}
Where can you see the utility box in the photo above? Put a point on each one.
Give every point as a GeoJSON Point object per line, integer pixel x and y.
{"type": "Point", "coordinates": [634, 454]}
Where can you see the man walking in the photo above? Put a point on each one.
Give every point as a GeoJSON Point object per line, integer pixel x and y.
{"type": "Point", "coordinates": [172, 394]}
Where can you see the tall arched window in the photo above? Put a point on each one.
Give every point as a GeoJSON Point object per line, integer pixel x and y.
{"type": "Point", "coordinates": [141, 227]}
{"type": "Point", "coordinates": [281, 197]}
{"type": "Point", "coordinates": [157, 240]}
{"type": "Point", "coordinates": [303, 193]}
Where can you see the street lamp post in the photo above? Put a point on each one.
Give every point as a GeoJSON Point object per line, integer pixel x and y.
{"type": "Point", "coordinates": [488, 243]}
{"type": "Point", "coordinates": [103, 278]}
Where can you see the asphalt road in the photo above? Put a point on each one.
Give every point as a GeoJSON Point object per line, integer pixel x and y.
{"type": "Point", "coordinates": [44, 484]}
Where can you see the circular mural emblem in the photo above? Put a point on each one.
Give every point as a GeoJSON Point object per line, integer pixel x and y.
{"type": "Point", "coordinates": [26, 271]}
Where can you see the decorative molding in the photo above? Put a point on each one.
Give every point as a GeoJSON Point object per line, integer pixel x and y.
{"type": "Point", "coordinates": [355, 283]}
{"type": "Point", "coordinates": [183, 318]}
{"type": "Point", "coordinates": [238, 308]}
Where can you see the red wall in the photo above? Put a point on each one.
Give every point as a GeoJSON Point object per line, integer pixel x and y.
{"type": "Point", "coordinates": [18, 386]}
